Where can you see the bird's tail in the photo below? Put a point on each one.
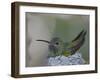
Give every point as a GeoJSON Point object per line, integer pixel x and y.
{"type": "Point", "coordinates": [81, 34]}
{"type": "Point", "coordinates": [78, 41]}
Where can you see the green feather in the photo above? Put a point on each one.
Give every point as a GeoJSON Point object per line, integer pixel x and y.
{"type": "Point", "coordinates": [66, 53]}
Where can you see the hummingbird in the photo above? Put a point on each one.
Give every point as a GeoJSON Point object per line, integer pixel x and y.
{"type": "Point", "coordinates": [58, 47]}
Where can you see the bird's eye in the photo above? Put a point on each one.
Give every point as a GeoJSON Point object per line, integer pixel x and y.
{"type": "Point", "coordinates": [57, 43]}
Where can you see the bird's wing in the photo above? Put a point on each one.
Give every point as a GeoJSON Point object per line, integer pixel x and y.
{"type": "Point", "coordinates": [75, 44]}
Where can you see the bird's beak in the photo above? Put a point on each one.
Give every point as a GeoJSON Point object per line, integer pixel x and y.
{"type": "Point", "coordinates": [44, 41]}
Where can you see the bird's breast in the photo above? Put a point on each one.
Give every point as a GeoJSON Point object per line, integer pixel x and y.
{"type": "Point", "coordinates": [53, 48]}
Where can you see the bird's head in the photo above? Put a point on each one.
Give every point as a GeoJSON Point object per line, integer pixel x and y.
{"type": "Point", "coordinates": [54, 45]}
